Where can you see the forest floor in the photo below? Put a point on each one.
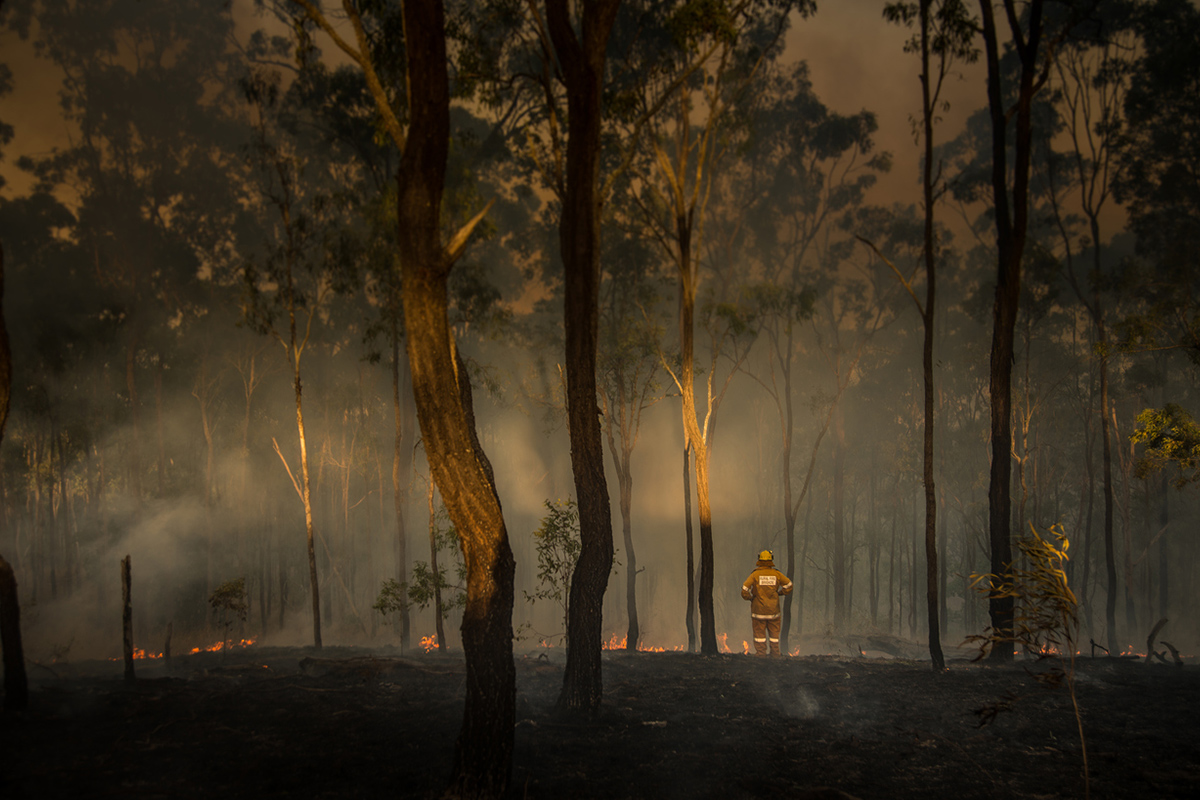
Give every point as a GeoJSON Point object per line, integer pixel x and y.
{"type": "Point", "coordinates": [346, 722]}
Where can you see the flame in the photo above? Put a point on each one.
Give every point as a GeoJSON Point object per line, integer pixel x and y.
{"type": "Point", "coordinates": [214, 648]}
{"type": "Point", "coordinates": [429, 642]}
{"type": "Point", "coordinates": [619, 644]}
{"type": "Point", "coordinates": [140, 654]}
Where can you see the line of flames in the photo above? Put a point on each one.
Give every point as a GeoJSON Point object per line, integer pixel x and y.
{"type": "Point", "coordinates": [429, 643]}
{"type": "Point", "coordinates": [139, 653]}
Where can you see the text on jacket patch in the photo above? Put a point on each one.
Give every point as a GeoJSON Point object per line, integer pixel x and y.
{"type": "Point", "coordinates": [766, 580]}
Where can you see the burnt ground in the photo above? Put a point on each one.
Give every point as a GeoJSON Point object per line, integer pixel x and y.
{"type": "Point", "coordinates": [288, 722]}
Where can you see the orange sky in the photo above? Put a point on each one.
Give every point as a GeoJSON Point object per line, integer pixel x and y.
{"type": "Point", "coordinates": [855, 58]}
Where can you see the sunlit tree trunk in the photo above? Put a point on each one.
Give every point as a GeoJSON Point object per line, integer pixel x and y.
{"type": "Point", "coordinates": [690, 616]}
{"type": "Point", "coordinates": [442, 390]}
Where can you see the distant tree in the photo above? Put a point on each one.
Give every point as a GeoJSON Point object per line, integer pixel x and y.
{"type": "Point", "coordinates": [154, 191]}
{"type": "Point", "coordinates": [229, 603]}
{"type": "Point", "coordinates": [627, 371]}
{"type": "Point", "coordinates": [558, 543]}
{"type": "Point", "coordinates": [287, 291]}
{"type": "Point", "coordinates": [723, 52]}
{"type": "Point", "coordinates": [812, 167]}
{"type": "Point", "coordinates": [1156, 179]}
{"type": "Point", "coordinates": [430, 583]}
{"type": "Point", "coordinates": [1170, 437]}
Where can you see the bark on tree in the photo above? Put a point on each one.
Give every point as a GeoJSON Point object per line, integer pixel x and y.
{"type": "Point", "coordinates": [127, 618]}
{"type": "Point", "coordinates": [442, 390]}
{"type": "Point", "coordinates": [690, 616]}
{"type": "Point", "coordinates": [582, 60]}
{"type": "Point", "coordinates": [1011, 211]}
{"type": "Point", "coordinates": [927, 317]}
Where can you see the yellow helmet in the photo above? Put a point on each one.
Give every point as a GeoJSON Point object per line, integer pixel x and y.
{"type": "Point", "coordinates": [766, 555]}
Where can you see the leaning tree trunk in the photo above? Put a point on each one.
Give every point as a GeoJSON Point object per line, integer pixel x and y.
{"type": "Point", "coordinates": [442, 391]}
{"type": "Point", "coordinates": [582, 62]}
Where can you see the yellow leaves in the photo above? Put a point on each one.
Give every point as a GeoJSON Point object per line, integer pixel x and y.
{"type": "Point", "coordinates": [1046, 615]}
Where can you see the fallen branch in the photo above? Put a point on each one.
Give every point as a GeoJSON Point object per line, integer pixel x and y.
{"type": "Point", "coordinates": [1174, 653]}
{"type": "Point", "coordinates": [1150, 639]}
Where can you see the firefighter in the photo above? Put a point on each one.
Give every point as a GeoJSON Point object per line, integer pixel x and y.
{"type": "Point", "coordinates": [762, 589]}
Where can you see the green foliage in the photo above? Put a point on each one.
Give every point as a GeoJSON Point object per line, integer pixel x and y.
{"type": "Point", "coordinates": [558, 546]}
{"type": "Point", "coordinates": [1171, 438]}
{"type": "Point", "coordinates": [230, 598]}
{"type": "Point", "coordinates": [392, 598]}
{"type": "Point", "coordinates": [427, 583]}
{"type": "Point", "coordinates": [229, 602]}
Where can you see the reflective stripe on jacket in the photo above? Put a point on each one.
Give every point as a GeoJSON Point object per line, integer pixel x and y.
{"type": "Point", "coordinates": [763, 588]}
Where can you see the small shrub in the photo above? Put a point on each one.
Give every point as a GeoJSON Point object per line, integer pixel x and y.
{"type": "Point", "coordinates": [1045, 620]}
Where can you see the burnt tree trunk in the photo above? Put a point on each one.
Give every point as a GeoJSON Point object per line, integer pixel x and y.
{"type": "Point", "coordinates": [482, 764]}
{"type": "Point", "coordinates": [927, 314]}
{"type": "Point", "coordinates": [1011, 214]}
{"type": "Point", "coordinates": [582, 60]}
{"type": "Point", "coordinates": [16, 685]}
{"type": "Point", "coordinates": [690, 617]}
{"type": "Point", "coordinates": [127, 618]}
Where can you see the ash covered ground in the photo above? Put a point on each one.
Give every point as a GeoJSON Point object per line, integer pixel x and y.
{"type": "Point", "coordinates": [346, 722]}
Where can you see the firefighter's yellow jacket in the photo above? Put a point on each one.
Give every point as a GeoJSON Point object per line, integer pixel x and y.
{"type": "Point", "coordinates": [763, 588]}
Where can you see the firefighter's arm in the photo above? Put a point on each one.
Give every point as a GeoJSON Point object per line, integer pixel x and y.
{"type": "Point", "coordinates": [785, 586]}
{"type": "Point", "coordinates": [748, 590]}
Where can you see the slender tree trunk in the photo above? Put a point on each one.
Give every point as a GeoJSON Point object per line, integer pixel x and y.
{"type": "Point", "coordinates": [127, 618]}
{"type": "Point", "coordinates": [625, 477]}
{"type": "Point", "coordinates": [690, 616]}
{"type": "Point", "coordinates": [306, 496]}
{"type": "Point", "coordinates": [927, 317]}
{"type": "Point", "coordinates": [398, 483]}
{"type": "Point", "coordinates": [160, 426]}
{"type": "Point", "coordinates": [1011, 212]}
{"type": "Point", "coordinates": [582, 61]}
{"type": "Point", "coordinates": [438, 613]}
{"type": "Point", "coordinates": [1110, 556]}
{"type": "Point", "coordinates": [135, 415]}
{"type": "Point", "coordinates": [839, 522]}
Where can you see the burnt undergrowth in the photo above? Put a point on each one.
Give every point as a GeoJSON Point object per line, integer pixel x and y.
{"type": "Point", "coordinates": [345, 722]}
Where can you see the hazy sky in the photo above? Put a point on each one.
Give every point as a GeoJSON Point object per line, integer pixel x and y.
{"type": "Point", "coordinates": [856, 61]}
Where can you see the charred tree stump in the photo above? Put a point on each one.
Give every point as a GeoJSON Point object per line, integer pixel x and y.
{"type": "Point", "coordinates": [127, 619]}
{"type": "Point", "coordinates": [16, 685]}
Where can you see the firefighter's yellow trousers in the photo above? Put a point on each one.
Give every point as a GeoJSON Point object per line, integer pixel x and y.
{"type": "Point", "coordinates": [766, 629]}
